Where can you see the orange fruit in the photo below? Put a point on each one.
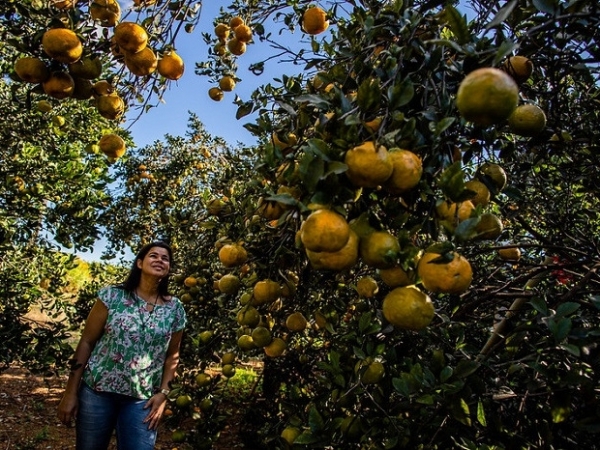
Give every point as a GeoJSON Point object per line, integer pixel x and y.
{"type": "Point", "coordinates": [62, 4]}
{"type": "Point", "coordinates": [275, 348]}
{"type": "Point", "coordinates": [527, 120]}
{"type": "Point", "coordinates": [62, 45]}
{"type": "Point", "coordinates": [451, 274]}
{"type": "Point", "coordinates": [519, 67]}
{"type": "Point", "coordinates": [407, 169]}
{"type": "Point", "coordinates": [222, 31]}
{"type": "Point", "coordinates": [379, 249]}
{"type": "Point", "coordinates": [87, 68]}
{"type": "Point", "coordinates": [102, 87]}
{"type": "Point", "coordinates": [243, 33]}
{"type": "Point", "coordinates": [314, 20]}
{"type": "Point", "coordinates": [367, 287]}
{"type": "Point", "coordinates": [216, 94]}
{"type": "Point", "coordinates": [248, 316]}
{"type": "Point", "coordinates": [110, 106]}
{"type": "Point", "coordinates": [236, 21]}
{"type": "Point", "coordinates": [296, 322]}
{"type": "Point", "coordinates": [494, 173]}
{"type": "Point", "coordinates": [265, 292]}
{"type": "Point", "coordinates": [229, 284]}
{"type": "Point", "coordinates": [509, 254]}
{"type": "Point", "coordinates": [395, 277]}
{"type": "Point", "coordinates": [236, 47]}
{"type": "Point", "coordinates": [343, 259]}
{"type": "Point", "coordinates": [59, 85]}
{"type": "Point", "coordinates": [130, 37]}
{"type": "Point", "coordinates": [408, 308]}
{"type": "Point", "coordinates": [107, 12]}
{"type": "Point", "coordinates": [289, 434]}
{"type": "Point", "coordinates": [261, 336]}
{"type": "Point", "coordinates": [112, 145]}
{"type": "Point", "coordinates": [369, 165]}
{"type": "Point", "coordinates": [171, 66]}
{"type": "Point", "coordinates": [232, 255]}
{"type": "Point", "coordinates": [324, 231]}
{"type": "Point", "coordinates": [454, 213]}
{"type": "Point", "coordinates": [487, 96]}
{"type": "Point", "coordinates": [227, 83]}
{"type": "Point", "coordinates": [482, 193]}
{"type": "Point", "coordinates": [373, 373]}
{"type": "Point", "coordinates": [141, 63]}
{"type": "Point", "coordinates": [489, 226]}
{"type": "Point", "coordinates": [31, 70]}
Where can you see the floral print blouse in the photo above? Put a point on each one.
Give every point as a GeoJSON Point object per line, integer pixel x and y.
{"type": "Point", "coordinates": [129, 356]}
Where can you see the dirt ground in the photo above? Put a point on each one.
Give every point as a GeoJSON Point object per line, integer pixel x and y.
{"type": "Point", "coordinates": [28, 416]}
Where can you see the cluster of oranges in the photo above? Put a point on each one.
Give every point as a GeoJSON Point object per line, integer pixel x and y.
{"type": "Point", "coordinates": [233, 38]}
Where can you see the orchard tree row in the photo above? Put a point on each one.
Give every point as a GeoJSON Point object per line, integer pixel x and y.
{"type": "Point", "coordinates": [411, 247]}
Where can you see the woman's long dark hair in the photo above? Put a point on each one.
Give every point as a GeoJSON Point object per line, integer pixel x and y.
{"type": "Point", "coordinates": [135, 274]}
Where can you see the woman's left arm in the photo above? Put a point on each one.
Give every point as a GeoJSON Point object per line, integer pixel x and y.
{"type": "Point", "coordinates": [158, 401]}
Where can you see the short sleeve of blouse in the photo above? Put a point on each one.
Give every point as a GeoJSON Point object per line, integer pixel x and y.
{"type": "Point", "coordinates": [180, 317]}
{"type": "Point", "coordinates": [109, 296]}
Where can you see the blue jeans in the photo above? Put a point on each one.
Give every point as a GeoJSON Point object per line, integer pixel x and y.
{"type": "Point", "coordinates": [100, 413]}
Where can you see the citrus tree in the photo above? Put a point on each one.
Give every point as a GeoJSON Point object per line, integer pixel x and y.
{"type": "Point", "coordinates": [414, 252]}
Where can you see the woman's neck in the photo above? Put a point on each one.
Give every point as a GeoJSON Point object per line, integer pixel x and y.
{"type": "Point", "coordinates": [147, 288]}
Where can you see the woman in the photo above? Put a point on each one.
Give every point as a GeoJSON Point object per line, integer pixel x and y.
{"type": "Point", "coordinates": [126, 358]}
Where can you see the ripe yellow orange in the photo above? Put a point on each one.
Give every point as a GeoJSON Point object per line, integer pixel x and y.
{"type": "Point", "coordinates": [236, 21]}
{"type": "Point", "coordinates": [102, 87]}
{"type": "Point", "coordinates": [407, 169]}
{"type": "Point", "coordinates": [494, 173]}
{"type": "Point", "coordinates": [233, 255]}
{"type": "Point", "coordinates": [296, 321]}
{"type": "Point", "coordinates": [519, 67]}
{"type": "Point", "coordinates": [261, 336]}
{"type": "Point", "coordinates": [248, 316]}
{"type": "Point", "coordinates": [112, 145]}
{"type": "Point", "coordinates": [130, 37]}
{"type": "Point", "coordinates": [62, 45]}
{"type": "Point", "coordinates": [227, 83]}
{"type": "Point", "coordinates": [236, 47]}
{"type": "Point", "coordinates": [369, 165]}
{"type": "Point", "coordinates": [441, 275]}
{"type": "Point", "coordinates": [87, 68]}
{"type": "Point", "coordinates": [275, 348]}
{"type": "Point", "coordinates": [216, 94]}
{"type": "Point", "coordinates": [487, 96]}
{"type": "Point", "coordinates": [314, 20]}
{"type": "Point", "coordinates": [229, 284]}
{"type": "Point", "coordinates": [343, 259]}
{"type": "Point", "coordinates": [289, 140]}
{"type": "Point", "coordinates": [454, 213]}
{"type": "Point", "coordinates": [482, 193]}
{"type": "Point", "coordinates": [222, 31]}
{"type": "Point", "coordinates": [408, 308]}
{"type": "Point", "coordinates": [59, 85]}
{"type": "Point", "coordinates": [367, 287]}
{"type": "Point", "coordinates": [289, 434]}
{"type": "Point", "coordinates": [374, 124]}
{"type": "Point", "coordinates": [489, 226]}
{"type": "Point", "coordinates": [243, 33]}
{"type": "Point", "coordinates": [527, 120]}
{"type": "Point", "coordinates": [324, 231]}
{"type": "Point", "coordinates": [31, 70]}
{"type": "Point", "coordinates": [171, 66]}
{"type": "Point", "coordinates": [107, 12]}
{"type": "Point", "coordinates": [62, 4]}
{"type": "Point", "coordinates": [374, 373]}
{"type": "Point", "coordinates": [190, 282]}
{"type": "Point", "coordinates": [265, 292]}
{"type": "Point", "coordinates": [509, 254]}
{"type": "Point", "coordinates": [396, 277]}
{"type": "Point", "coordinates": [379, 249]}
{"type": "Point", "coordinates": [141, 63]}
{"type": "Point", "coordinates": [110, 106]}
{"type": "Point", "coordinates": [246, 343]}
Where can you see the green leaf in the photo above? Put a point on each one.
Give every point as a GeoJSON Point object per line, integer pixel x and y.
{"type": "Point", "coordinates": [244, 109]}
{"type": "Point", "coordinates": [481, 414]}
{"type": "Point", "coordinates": [566, 309]}
{"type": "Point", "coordinates": [539, 304]}
{"type": "Point", "coordinates": [443, 125]}
{"type": "Point", "coordinates": [546, 6]}
{"type": "Point", "coordinates": [427, 399]}
{"type": "Point", "coordinates": [460, 411]}
{"type": "Point", "coordinates": [465, 368]}
{"type": "Point", "coordinates": [458, 24]}
{"type": "Point", "coordinates": [315, 421]}
{"type": "Point", "coordinates": [572, 349]}
{"type": "Point", "coordinates": [452, 181]}
{"type": "Point", "coordinates": [504, 49]}
{"type": "Point", "coordinates": [306, 438]}
{"type": "Point", "coordinates": [369, 94]}
{"type": "Point", "coordinates": [560, 328]}
{"type": "Point", "coordinates": [311, 170]}
{"type": "Point", "coordinates": [365, 321]}
{"type": "Point", "coordinates": [446, 373]}
{"type": "Point", "coordinates": [400, 94]}
{"type": "Point", "coordinates": [502, 14]}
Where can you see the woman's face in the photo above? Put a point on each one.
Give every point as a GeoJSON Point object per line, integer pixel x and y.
{"type": "Point", "coordinates": [156, 262]}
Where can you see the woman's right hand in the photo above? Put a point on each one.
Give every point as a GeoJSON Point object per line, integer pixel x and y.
{"type": "Point", "coordinates": [67, 409]}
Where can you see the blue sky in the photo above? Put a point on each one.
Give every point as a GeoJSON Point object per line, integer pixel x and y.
{"type": "Point", "coordinates": [190, 92]}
